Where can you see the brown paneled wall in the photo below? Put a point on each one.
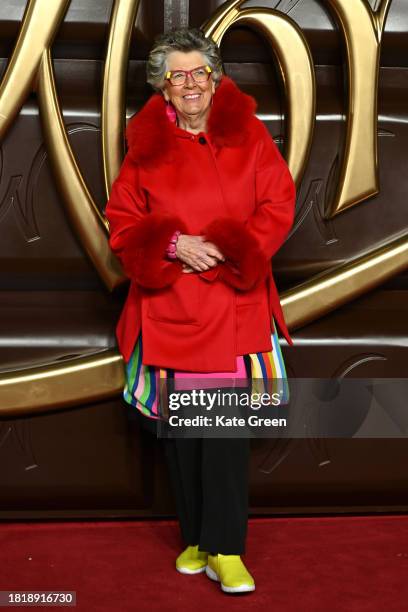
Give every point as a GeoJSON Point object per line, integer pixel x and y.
{"type": "Point", "coordinates": [92, 459]}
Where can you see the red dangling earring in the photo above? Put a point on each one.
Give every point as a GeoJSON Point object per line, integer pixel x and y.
{"type": "Point", "coordinates": [170, 112]}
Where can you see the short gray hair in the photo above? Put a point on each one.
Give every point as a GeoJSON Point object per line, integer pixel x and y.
{"type": "Point", "coordinates": [183, 39]}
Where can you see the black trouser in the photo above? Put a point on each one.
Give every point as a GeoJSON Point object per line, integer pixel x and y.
{"type": "Point", "coordinates": [209, 477]}
{"type": "Point", "coordinates": [210, 483]}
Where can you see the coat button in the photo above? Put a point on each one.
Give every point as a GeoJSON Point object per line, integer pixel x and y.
{"type": "Point", "coordinates": [202, 140]}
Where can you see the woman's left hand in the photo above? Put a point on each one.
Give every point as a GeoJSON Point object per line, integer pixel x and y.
{"type": "Point", "coordinates": [197, 254]}
{"type": "Point", "coordinates": [214, 250]}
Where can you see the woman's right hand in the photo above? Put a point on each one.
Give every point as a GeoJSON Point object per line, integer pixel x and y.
{"type": "Point", "coordinates": [197, 253]}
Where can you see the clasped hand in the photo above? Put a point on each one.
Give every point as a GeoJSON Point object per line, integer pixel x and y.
{"type": "Point", "coordinates": [197, 254]}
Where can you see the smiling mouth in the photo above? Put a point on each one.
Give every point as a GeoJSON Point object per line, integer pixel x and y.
{"type": "Point", "coordinates": [191, 97]}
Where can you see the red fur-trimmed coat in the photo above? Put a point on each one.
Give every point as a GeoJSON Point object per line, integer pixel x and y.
{"type": "Point", "coordinates": [230, 184]}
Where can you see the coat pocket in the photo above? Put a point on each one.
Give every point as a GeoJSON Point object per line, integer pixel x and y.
{"type": "Point", "coordinates": [179, 303]}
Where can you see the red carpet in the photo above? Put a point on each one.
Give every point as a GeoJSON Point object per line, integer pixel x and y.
{"type": "Point", "coordinates": [314, 564]}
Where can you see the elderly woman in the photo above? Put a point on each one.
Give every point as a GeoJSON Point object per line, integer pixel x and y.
{"type": "Point", "coordinates": [202, 202]}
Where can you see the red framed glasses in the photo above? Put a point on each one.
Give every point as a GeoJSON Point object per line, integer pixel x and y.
{"type": "Point", "coordinates": [179, 77]}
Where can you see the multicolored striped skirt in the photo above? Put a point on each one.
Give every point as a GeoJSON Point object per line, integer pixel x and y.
{"type": "Point", "coordinates": [145, 386]}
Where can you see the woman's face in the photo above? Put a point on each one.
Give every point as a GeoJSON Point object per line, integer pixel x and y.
{"type": "Point", "coordinates": [190, 99]}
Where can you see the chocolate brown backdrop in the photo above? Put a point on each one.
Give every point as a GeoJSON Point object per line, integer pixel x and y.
{"type": "Point", "coordinates": [91, 459]}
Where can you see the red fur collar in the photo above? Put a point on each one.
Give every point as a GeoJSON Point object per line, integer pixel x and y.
{"type": "Point", "coordinates": [150, 134]}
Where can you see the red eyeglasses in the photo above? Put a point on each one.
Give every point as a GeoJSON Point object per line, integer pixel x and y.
{"type": "Point", "coordinates": [179, 77]}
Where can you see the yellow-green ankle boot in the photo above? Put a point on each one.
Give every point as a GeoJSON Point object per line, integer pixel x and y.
{"type": "Point", "coordinates": [230, 571]}
{"type": "Point", "coordinates": [192, 560]}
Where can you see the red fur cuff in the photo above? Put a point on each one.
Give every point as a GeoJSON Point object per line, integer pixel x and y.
{"type": "Point", "coordinates": [245, 263]}
{"type": "Point", "coordinates": [143, 251]}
